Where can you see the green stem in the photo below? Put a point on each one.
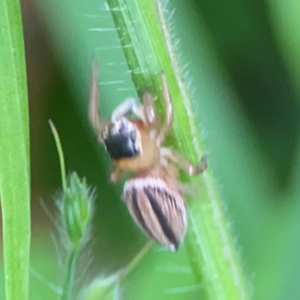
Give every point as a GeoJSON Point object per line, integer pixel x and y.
{"type": "Point", "coordinates": [74, 251]}
{"type": "Point", "coordinates": [148, 48]}
{"type": "Point", "coordinates": [70, 277]}
{"type": "Point", "coordinates": [60, 155]}
{"type": "Point", "coordinates": [136, 260]}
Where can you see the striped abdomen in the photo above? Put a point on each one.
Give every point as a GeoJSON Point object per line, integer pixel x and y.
{"type": "Point", "coordinates": [157, 209]}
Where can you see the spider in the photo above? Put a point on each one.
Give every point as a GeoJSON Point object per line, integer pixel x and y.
{"type": "Point", "coordinates": [133, 138]}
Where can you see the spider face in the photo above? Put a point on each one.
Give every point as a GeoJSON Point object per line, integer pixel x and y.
{"type": "Point", "coordinates": [122, 139]}
{"type": "Point", "coordinates": [152, 194]}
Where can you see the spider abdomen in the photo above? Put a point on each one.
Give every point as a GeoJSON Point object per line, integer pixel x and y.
{"type": "Point", "coordinates": [157, 209]}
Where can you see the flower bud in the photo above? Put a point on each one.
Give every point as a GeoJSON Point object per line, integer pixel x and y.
{"type": "Point", "coordinates": [77, 201]}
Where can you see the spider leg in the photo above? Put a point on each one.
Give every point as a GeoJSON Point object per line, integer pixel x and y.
{"type": "Point", "coordinates": [145, 112]}
{"type": "Point", "coordinates": [149, 111]}
{"type": "Point", "coordinates": [116, 175]}
{"type": "Point", "coordinates": [169, 113]}
{"type": "Point", "coordinates": [184, 163]}
{"type": "Point", "coordinates": [129, 105]}
{"type": "Point", "coordinates": [95, 121]}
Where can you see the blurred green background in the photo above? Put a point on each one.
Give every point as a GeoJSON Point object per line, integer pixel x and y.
{"type": "Point", "coordinates": [242, 62]}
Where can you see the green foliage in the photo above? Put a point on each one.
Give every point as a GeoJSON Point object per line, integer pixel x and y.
{"type": "Point", "coordinates": [75, 210]}
{"type": "Point", "coordinates": [14, 152]}
{"type": "Point", "coordinates": [240, 61]}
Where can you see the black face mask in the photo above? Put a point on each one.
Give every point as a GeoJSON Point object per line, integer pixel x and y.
{"type": "Point", "coordinates": [120, 139]}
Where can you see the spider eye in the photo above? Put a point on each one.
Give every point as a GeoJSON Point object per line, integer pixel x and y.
{"type": "Point", "coordinates": [122, 143]}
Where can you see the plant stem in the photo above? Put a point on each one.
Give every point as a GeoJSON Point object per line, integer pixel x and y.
{"type": "Point", "coordinates": [148, 48]}
{"type": "Point", "coordinates": [135, 260]}
{"type": "Point", "coordinates": [70, 277]}
{"type": "Point", "coordinates": [60, 155]}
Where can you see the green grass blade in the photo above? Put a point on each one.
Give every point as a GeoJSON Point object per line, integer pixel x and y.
{"type": "Point", "coordinates": [14, 152]}
{"type": "Point", "coordinates": [149, 49]}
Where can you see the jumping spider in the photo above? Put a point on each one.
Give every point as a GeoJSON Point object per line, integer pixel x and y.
{"type": "Point", "coordinates": [133, 138]}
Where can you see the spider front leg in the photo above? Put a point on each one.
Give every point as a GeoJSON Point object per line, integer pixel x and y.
{"type": "Point", "coordinates": [183, 163]}
{"type": "Point", "coordinates": [145, 112]}
{"type": "Point", "coordinates": [149, 111]}
{"type": "Point", "coordinates": [129, 105]}
{"type": "Point", "coordinates": [169, 112]}
{"type": "Point", "coordinates": [97, 124]}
